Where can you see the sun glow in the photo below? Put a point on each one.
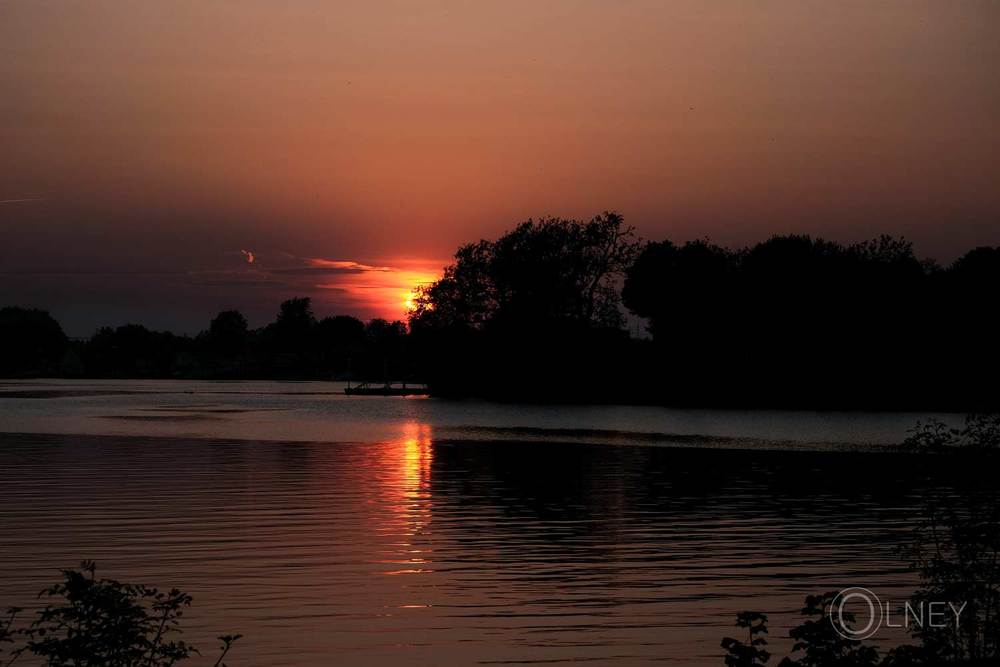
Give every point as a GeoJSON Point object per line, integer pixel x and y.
{"type": "Point", "coordinates": [390, 290]}
{"type": "Point", "coordinates": [410, 302]}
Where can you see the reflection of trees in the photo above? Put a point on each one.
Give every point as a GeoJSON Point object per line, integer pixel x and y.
{"type": "Point", "coordinates": [597, 491]}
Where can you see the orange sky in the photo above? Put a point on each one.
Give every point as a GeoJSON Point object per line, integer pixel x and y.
{"type": "Point", "coordinates": [160, 138]}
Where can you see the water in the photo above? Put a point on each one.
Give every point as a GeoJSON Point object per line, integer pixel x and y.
{"type": "Point", "coordinates": [371, 531]}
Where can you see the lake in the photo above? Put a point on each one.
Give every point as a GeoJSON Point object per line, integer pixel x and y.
{"type": "Point", "coordinates": [330, 529]}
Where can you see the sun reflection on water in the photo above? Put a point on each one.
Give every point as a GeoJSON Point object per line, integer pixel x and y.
{"type": "Point", "coordinates": [416, 459]}
{"type": "Point", "coordinates": [408, 468]}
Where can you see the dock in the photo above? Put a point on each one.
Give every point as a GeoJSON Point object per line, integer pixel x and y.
{"type": "Point", "coordinates": [386, 389]}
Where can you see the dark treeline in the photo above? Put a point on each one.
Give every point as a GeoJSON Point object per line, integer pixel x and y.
{"type": "Point", "coordinates": [295, 346]}
{"type": "Point", "coordinates": [802, 321]}
{"type": "Point", "coordinates": [539, 315]}
{"type": "Point", "coordinates": [791, 322]}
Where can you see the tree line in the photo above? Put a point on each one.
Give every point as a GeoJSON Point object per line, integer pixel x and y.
{"type": "Point", "coordinates": [296, 345]}
{"type": "Point", "coordinates": [792, 321]}
{"type": "Point", "coordinates": [539, 314]}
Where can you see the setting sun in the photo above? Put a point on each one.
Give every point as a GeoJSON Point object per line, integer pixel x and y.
{"type": "Point", "coordinates": [409, 303]}
{"type": "Point", "coordinates": [388, 290]}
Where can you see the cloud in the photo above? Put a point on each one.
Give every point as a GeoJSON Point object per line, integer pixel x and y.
{"type": "Point", "coordinates": [345, 286]}
{"type": "Point", "coordinates": [20, 201]}
{"type": "Point", "coordinates": [346, 265]}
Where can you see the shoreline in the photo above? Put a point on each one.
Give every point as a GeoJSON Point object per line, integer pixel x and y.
{"type": "Point", "coordinates": [747, 407]}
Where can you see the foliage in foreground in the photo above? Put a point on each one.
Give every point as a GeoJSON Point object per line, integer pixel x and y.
{"type": "Point", "coordinates": [103, 622]}
{"type": "Point", "coordinates": [981, 433]}
{"type": "Point", "coordinates": [955, 549]}
{"type": "Point", "coordinates": [751, 653]}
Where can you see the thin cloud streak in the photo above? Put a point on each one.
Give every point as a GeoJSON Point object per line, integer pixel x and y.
{"type": "Point", "coordinates": [368, 289]}
{"type": "Point", "coordinates": [318, 262]}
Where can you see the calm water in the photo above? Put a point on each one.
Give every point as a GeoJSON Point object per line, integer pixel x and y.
{"type": "Point", "coordinates": [368, 531]}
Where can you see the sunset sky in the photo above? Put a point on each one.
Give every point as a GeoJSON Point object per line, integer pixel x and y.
{"type": "Point", "coordinates": [148, 149]}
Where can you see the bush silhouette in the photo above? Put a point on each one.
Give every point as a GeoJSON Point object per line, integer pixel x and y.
{"type": "Point", "coordinates": [752, 652]}
{"type": "Point", "coordinates": [105, 623]}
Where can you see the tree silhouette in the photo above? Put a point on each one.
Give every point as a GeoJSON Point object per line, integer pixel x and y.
{"type": "Point", "coordinates": [821, 644]}
{"type": "Point", "coordinates": [544, 271]}
{"type": "Point", "coordinates": [227, 334]}
{"type": "Point", "coordinates": [751, 653]}
{"type": "Point", "coordinates": [539, 302]}
{"type": "Point", "coordinates": [342, 344]}
{"type": "Point", "coordinates": [31, 342]}
{"type": "Point", "coordinates": [293, 327]}
{"type": "Point", "coordinates": [956, 550]}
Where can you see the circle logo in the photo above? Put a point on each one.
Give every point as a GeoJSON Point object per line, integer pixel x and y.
{"type": "Point", "coordinates": [842, 618]}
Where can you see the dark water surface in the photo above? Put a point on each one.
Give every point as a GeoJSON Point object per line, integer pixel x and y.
{"type": "Point", "coordinates": [497, 535]}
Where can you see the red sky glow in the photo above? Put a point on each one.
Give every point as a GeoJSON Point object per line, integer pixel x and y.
{"type": "Point", "coordinates": [149, 147]}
